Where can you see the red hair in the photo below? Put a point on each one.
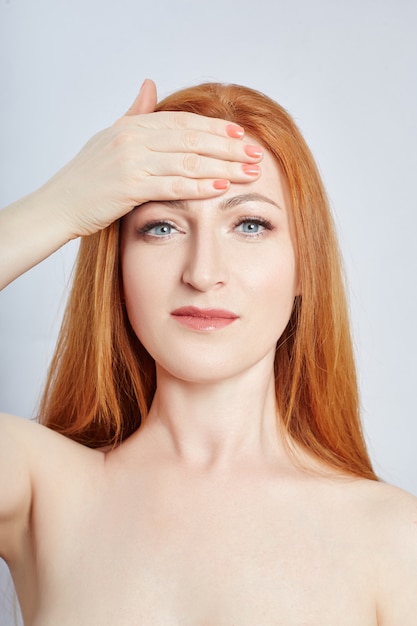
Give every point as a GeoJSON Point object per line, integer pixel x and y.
{"type": "Point", "coordinates": [102, 381]}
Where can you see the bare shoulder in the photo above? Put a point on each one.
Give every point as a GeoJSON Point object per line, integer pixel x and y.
{"type": "Point", "coordinates": [393, 512]}
{"type": "Point", "coordinates": [38, 443]}
{"type": "Point", "coordinates": [35, 454]}
{"type": "Point", "coordinates": [392, 528]}
{"type": "Point", "coordinates": [389, 503]}
{"type": "Point", "coordinates": [378, 522]}
{"type": "Point", "coordinates": [31, 457]}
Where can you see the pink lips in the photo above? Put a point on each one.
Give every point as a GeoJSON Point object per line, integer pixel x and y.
{"type": "Point", "coordinates": [203, 319]}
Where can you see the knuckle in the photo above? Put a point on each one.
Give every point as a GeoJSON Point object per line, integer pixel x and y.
{"type": "Point", "coordinates": [179, 119]}
{"type": "Point", "coordinates": [122, 139]}
{"type": "Point", "coordinates": [178, 187]}
{"type": "Point", "coordinates": [201, 188]}
{"type": "Point", "coordinates": [191, 164]}
{"type": "Point", "coordinates": [192, 139]}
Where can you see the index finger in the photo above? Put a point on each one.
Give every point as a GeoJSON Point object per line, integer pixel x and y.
{"type": "Point", "coordinates": [183, 120]}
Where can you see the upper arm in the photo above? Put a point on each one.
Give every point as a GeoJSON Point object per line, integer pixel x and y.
{"type": "Point", "coordinates": [15, 482]}
{"type": "Point", "coordinates": [397, 564]}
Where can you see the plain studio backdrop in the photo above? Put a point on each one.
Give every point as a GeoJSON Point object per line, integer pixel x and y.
{"type": "Point", "coordinates": [346, 71]}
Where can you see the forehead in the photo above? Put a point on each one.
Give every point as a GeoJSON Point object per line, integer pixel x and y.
{"type": "Point", "coordinates": [272, 181]}
{"type": "Point", "coordinates": [271, 187]}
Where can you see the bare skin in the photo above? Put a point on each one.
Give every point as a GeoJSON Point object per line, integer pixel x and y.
{"type": "Point", "coordinates": [142, 535]}
{"type": "Point", "coordinates": [204, 517]}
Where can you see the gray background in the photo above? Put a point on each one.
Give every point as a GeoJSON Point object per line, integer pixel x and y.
{"type": "Point", "coordinates": [345, 69]}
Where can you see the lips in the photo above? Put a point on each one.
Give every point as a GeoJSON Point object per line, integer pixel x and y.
{"type": "Point", "coordinates": [203, 319]}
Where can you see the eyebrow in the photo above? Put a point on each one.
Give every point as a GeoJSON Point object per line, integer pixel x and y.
{"type": "Point", "coordinates": [228, 203]}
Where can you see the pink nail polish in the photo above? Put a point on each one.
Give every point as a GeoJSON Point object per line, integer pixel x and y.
{"type": "Point", "coordinates": [253, 151]}
{"type": "Point", "coordinates": [251, 170]}
{"type": "Point", "coordinates": [221, 185]}
{"type": "Point", "coordinates": [235, 131]}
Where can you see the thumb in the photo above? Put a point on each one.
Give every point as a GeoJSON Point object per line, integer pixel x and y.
{"type": "Point", "coordinates": [145, 101]}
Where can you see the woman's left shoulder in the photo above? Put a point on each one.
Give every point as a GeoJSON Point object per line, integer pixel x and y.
{"type": "Point", "coordinates": [390, 520]}
{"type": "Point", "coordinates": [391, 507]}
{"type": "Point", "coordinates": [388, 513]}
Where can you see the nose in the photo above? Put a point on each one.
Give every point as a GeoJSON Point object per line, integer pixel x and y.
{"type": "Point", "coordinates": [205, 267]}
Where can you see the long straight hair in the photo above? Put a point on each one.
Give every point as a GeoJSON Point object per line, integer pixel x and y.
{"type": "Point", "coordinates": [102, 381]}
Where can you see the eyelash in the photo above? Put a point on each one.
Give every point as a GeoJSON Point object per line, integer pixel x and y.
{"type": "Point", "coordinates": [149, 225]}
{"type": "Point", "coordinates": [259, 221]}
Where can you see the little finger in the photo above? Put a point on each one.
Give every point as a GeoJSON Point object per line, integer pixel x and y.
{"type": "Point", "coordinates": [190, 165]}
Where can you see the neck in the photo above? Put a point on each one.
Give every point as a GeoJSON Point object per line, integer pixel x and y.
{"type": "Point", "coordinates": [213, 423]}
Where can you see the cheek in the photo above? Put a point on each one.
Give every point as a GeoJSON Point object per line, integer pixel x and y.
{"type": "Point", "coordinates": [140, 275]}
{"type": "Point", "coordinates": [147, 289]}
{"type": "Point", "coordinates": [273, 277]}
{"type": "Point", "coordinates": [137, 289]}
{"type": "Point", "coordinates": [272, 293]}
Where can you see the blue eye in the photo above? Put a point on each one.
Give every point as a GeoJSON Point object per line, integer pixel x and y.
{"type": "Point", "coordinates": [158, 229]}
{"type": "Point", "coordinates": [253, 226]}
{"type": "Point", "coordinates": [161, 230]}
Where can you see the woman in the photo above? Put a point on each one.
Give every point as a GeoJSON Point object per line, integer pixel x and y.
{"type": "Point", "coordinates": [212, 468]}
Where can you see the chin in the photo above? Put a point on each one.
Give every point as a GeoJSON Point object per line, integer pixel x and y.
{"type": "Point", "coordinates": [196, 372]}
{"type": "Point", "coordinates": [212, 369]}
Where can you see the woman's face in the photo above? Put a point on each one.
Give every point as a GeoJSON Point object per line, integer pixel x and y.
{"type": "Point", "coordinates": [210, 284]}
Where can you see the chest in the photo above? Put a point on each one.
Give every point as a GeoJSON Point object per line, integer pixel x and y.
{"type": "Point", "coordinates": [196, 556]}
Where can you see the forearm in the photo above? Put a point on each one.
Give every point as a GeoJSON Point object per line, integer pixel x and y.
{"type": "Point", "coordinates": [30, 230]}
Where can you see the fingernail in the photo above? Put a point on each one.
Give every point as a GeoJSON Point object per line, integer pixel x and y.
{"type": "Point", "coordinates": [235, 131]}
{"type": "Point", "coordinates": [253, 151]}
{"type": "Point", "coordinates": [251, 170]}
{"type": "Point", "coordinates": [143, 85]}
{"type": "Point", "coordinates": [221, 184]}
